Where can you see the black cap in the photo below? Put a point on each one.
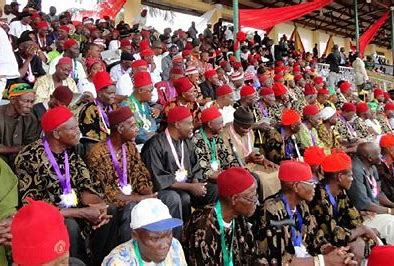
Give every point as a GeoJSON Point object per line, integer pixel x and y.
{"type": "Point", "coordinates": [25, 36]}
{"type": "Point", "coordinates": [127, 56]}
{"type": "Point", "coordinates": [14, 4]}
{"type": "Point", "coordinates": [24, 14]}
{"type": "Point", "coordinates": [244, 115]}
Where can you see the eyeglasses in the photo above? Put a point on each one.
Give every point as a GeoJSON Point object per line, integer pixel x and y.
{"type": "Point", "coordinates": [253, 200]}
{"type": "Point", "coordinates": [311, 183]}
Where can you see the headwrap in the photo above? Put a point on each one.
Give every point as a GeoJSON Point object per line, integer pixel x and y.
{"type": "Point", "coordinates": [18, 89]}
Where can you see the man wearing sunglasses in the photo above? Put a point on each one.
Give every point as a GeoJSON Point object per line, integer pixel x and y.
{"type": "Point", "coordinates": [220, 234]}
{"type": "Point", "coordinates": [288, 231]}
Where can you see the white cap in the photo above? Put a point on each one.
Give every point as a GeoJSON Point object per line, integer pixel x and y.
{"type": "Point", "coordinates": [100, 42]}
{"type": "Point", "coordinates": [191, 70]}
{"type": "Point", "coordinates": [237, 76]}
{"type": "Point", "coordinates": [327, 113]}
{"type": "Point", "coordinates": [153, 215]}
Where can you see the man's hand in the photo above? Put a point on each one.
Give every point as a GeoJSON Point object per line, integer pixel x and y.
{"type": "Point", "coordinates": [198, 189]}
{"type": "Point", "coordinates": [255, 158]}
{"type": "Point", "coordinates": [96, 214]}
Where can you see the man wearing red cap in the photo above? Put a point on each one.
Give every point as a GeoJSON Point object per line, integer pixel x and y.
{"type": "Point", "coordinates": [71, 50]}
{"type": "Point", "coordinates": [347, 132]}
{"type": "Point", "coordinates": [336, 216]}
{"type": "Point", "coordinates": [314, 156]}
{"type": "Point", "coordinates": [171, 159]}
{"type": "Point", "coordinates": [139, 105]}
{"type": "Point", "coordinates": [366, 125]}
{"type": "Point", "coordinates": [288, 230]}
{"type": "Point", "coordinates": [71, 189]}
{"type": "Point", "coordinates": [280, 143]}
{"type": "Point", "coordinates": [212, 154]}
{"type": "Point", "coordinates": [345, 95]}
{"type": "Point", "coordinates": [326, 130]}
{"type": "Point", "coordinates": [386, 118]}
{"type": "Point", "coordinates": [224, 103]}
{"type": "Point", "coordinates": [385, 169]}
{"type": "Point", "coordinates": [93, 117]}
{"type": "Point", "coordinates": [211, 83]}
{"type": "Point", "coordinates": [106, 160]}
{"type": "Point", "coordinates": [307, 135]}
{"type": "Point", "coordinates": [220, 235]}
{"type": "Point", "coordinates": [46, 85]}
{"type": "Point", "coordinates": [166, 90]}
{"type": "Point", "coordinates": [187, 96]}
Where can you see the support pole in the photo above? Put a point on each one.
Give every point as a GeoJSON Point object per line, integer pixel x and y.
{"type": "Point", "coordinates": [357, 27]}
{"type": "Point", "coordinates": [392, 37]}
{"type": "Point", "coordinates": [236, 26]}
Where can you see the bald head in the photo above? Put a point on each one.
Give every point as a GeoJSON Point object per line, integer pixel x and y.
{"type": "Point", "coordinates": [370, 152]}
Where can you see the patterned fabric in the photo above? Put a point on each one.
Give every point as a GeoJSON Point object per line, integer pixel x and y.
{"type": "Point", "coordinates": [336, 229]}
{"type": "Point", "coordinates": [103, 171]}
{"type": "Point", "coordinates": [328, 137]}
{"type": "Point", "coordinates": [273, 209]}
{"type": "Point", "coordinates": [204, 155]}
{"type": "Point", "coordinates": [37, 178]}
{"type": "Point", "coordinates": [346, 133]}
{"type": "Point", "coordinates": [45, 86]}
{"type": "Point", "coordinates": [124, 255]}
{"type": "Point", "coordinates": [91, 124]}
{"type": "Point", "coordinates": [384, 123]}
{"type": "Point", "coordinates": [361, 127]}
{"type": "Point", "coordinates": [275, 112]}
{"type": "Point", "coordinates": [202, 241]}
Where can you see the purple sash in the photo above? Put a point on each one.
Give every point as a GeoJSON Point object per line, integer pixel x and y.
{"type": "Point", "coordinates": [121, 171]}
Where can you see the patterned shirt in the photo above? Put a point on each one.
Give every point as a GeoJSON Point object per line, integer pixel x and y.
{"type": "Point", "coordinates": [308, 137]}
{"type": "Point", "coordinates": [361, 127]}
{"type": "Point", "coordinates": [45, 86]}
{"type": "Point", "coordinates": [204, 154]}
{"type": "Point", "coordinates": [202, 240]}
{"type": "Point", "coordinates": [345, 130]}
{"type": "Point", "coordinates": [328, 137]}
{"type": "Point", "coordinates": [38, 180]}
{"type": "Point", "coordinates": [273, 209]}
{"type": "Point", "coordinates": [384, 123]}
{"type": "Point", "coordinates": [124, 255]}
{"type": "Point", "coordinates": [102, 169]}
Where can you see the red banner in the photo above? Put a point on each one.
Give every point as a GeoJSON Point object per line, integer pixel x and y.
{"type": "Point", "coordinates": [109, 8]}
{"type": "Point", "coordinates": [268, 17]}
{"type": "Point", "coordinates": [370, 33]}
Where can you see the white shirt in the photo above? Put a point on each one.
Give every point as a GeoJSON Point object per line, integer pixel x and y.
{"type": "Point", "coordinates": [125, 87]}
{"type": "Point", "coordinates": [9, 17]}
{"type": "Point", "coordinates": [79, 67]}
{"type": "Point", "coordinates": [117, 71]}
{"type": "Point", "coordinates": [8, 64]}
{"type": "Point", "coordinates": [228, 35]}
{"type": "Point", "coordinates": [227, 112]}
{"type": "Point", "coordinates": [16, 28]}
{"type": "Point", "coordinates": [114, 45]}
{"type": "Point", "coordinates": [156, 74]}
{"type": "Point", "coordinates": [84, 85]}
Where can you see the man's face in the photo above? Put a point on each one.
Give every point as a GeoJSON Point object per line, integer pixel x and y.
{"type": "Point", "coordinates": [246, 202]}
{"type": "Point", "coordinates": [315, 120]}
{"type": "Point", "coordinates": [204, 57]}
{"type": "Point", "coordinates": [374, 156]}
{"type": "Point", "coordinates": [62, 34]}
{"type": "Point", "coordinates": [216, 125]}
{"type": "Point", "coordinates": [68, 133]}
{"type": "Point", "coordinates": [190, 95]}
{"type": "Point", "coordinates": [305, 190]}
{"type": "Point", "coordinates": [128, 129]}
{"type": "Point", "coordinates": [146, 93]}
{"type": "Point", "coordinates": [242, 129]}
{"type": "Point", "coordinates": [250, 100]}
{"type": "Point", "coordinates": [95, 51]}
{"type": "Point", "coordinates": [74, 51]}
{"type": "Point", "coordinates": [52, 10]}
{"type": "Point", "coordinates": [345, 179]}
{"type": "Point", "coordinates": [63, 71]}
{"type": "Point", "coordinates": [23, 104]}
{"type": "Point", "coordinates": [173, 51]}
{"type": "Point", "coordinates": [97, 67]}
{"type": "Point", "coordinates": [126, 49]}
{"type": "Point", "coordinates": [185, 127]}
{"type": "Point", "coordinates": [26, 20]}
{"type": "Point", "coordinates": [107, 95]}
{"type": "Point", "coordinates": [153, 245]}
{"type": "Point", "coordinates": [295, 128]}
{"type": "Point", "coordinates": [348, 115]}
{"type": "Point", "coordinates": [214, 80]}
{"type": "Point", "coordinates": [269, 99]}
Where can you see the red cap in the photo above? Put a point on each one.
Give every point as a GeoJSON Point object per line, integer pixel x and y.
{"type": "Point", "coordinates": [65, 61]}
{"type": "Point", "coordinates": [223, 63]}
{"type": "Point", "coordinates": [279, 89]}
{"type": "Point", "coordinates": [348, 107]}
{"type": "Point", "coordinates": [290, 117]}
{"type": "Point", "coordinates": [65, 28]}
{"type": "Point", "coordinates": [102, 80]}
{"type": "Point", "coordinates": [178, 113]}
{"type": "Point", "coordinates": [176, 71]}
{"type": "Point", "coordinates": [182, 85]}
{"type": "Point", "coordinates": [314, 155]}
{"type": "Point", "coordinates": [124, 43]}
{"type": "Point", "coordinates": [378, 92]}
{"type": "Point", "coordinates": [294, 171]}
{"type": "Point", "coordinates": [279, 69]}
{"type": "Point", "coordinates": [144, 44]}
{"type": "Point", "coordinates": [311, 109]}
{"type": "Point", "coordinates": [362, 108]}
{"type": "Point", "coordinates": [42, 24]}
{"type": "Point", "coordinates": [54, 118]}
{"type": "Point", "coordinates": [210, 114]}
{"type": "Point", "coordinates": [387, 141]}
{"type": "Point", "coordinates": [389, 107]}
{"type": "Point", "coordinates": [234, 181]}
{"type": "Point", "coordinates": [139, 63]}
{"type": "Point", "coordinates": [247, 90]}
{"type": "Point", "coordinates": [318, 80]}
{"type": "Point", "coordinates": [337, 162]}
{"type": "Point", "coordinates": [63, 94]}
{"type": "Point", "coordinates": [210, 73]}
{"type": "Point", "coordinates": [381, 255]}
{"type": "Point", "coordinates": [119, 115]}
{"type": "Point", "coordinates": [147, 52]}
{"type": "Point", "coordinates": [266, 91]}
{"type": "Point", "coordinates": [298, 77]}
{"type": "Point", "coordinates": [309, 89]}
{"type": "Point", "coordinates": [142, 79]}
{"type": "Point", "coordinates": [277, 77]}
{"type": "Point", "coordinates": [90, 61]}
{"type": "Point", "coordinates": [323, 91]}
{"type": "Point", "coordinates": [223, 90]}
{"type": "Point", "coordinates": [69, 43]}
{"type": "Point", "coordinates": [345, 86]}
{"type": "Point", "coordinates": [39, 234]}
{"type": "Point", "coordinates": [186, 53]}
